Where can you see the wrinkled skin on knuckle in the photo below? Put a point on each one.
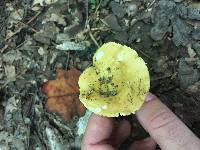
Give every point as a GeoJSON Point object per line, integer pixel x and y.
{"type": "Point", "coordinates": [163, 119]}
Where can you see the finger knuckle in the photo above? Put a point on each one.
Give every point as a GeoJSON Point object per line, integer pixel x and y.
{"type": "Point", "coordinates": [162, 120]}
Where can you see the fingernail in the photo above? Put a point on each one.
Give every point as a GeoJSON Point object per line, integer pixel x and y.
{"type": "Point", "coordinates": [149, 97]}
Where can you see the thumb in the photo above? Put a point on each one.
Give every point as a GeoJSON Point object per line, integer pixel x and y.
{"type": "Point", "coordinates": [165, 127]}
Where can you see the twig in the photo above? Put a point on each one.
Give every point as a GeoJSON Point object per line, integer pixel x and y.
{"type": "Point", "coordinates": [34, 17]}
{"type": "Point", "coordinates": [28, 26]}
{"type": "Point", "coordinates": [4, 48]}
{"type": "Point", "coordinates": [163, 77]}
{"type": "Point", "coordinates": [87, 25]}
{"type": "Point", "coordinates": [91, 36]}
{"type": "Point", "coordinates": [18, 30]}
{"type": "Point", "coordinates": [104, 22]}
{"type": "Point", "coordinates": [143, 53]}
{"type": "Point", "coordinates": [94, 29]}
{"type": "Point", "coordinates": [93, 39]}
{"type": "Point", "coordinates": [87, 13]}
{"type": "Point", "coordinates": [99, 29]}
{"type": "Point", "coordinates": [151, 4]}
{"type": "Point", "coordinates": [25, 25]}
{"type": "Point", "coordinates": [98, 7]}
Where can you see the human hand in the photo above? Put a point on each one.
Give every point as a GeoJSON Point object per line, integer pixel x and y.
{"type": "Point", "coordinates": [168, 131]}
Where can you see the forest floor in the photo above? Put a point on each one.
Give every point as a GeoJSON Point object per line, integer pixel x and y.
{"type": "Point", "coordinates": [37, 37]}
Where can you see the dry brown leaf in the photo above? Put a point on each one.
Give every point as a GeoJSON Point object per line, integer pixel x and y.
{"type": "Point", "coordinates": [63, 94]}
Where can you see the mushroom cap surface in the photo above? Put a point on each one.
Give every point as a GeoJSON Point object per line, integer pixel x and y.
{"type": "Point", "coordinates": [116, 83]}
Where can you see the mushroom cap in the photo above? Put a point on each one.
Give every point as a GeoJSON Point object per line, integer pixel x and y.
{"type": "Point", "coordinates": [117, 82]}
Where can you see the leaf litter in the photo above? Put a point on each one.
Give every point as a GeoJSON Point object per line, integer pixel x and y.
{"type": "Point", "coordinates": [168, 43]}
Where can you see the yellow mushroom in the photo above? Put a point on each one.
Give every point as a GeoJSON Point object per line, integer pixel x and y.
{"type": "Point", "coordinates": [117, 82]}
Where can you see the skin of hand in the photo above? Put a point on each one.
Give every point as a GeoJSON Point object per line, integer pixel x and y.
{"type": "Point", "coordinates": [164, 127]}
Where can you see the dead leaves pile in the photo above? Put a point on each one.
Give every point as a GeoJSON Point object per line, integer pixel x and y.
{"type": "Point", "coordinates": [63, 94]}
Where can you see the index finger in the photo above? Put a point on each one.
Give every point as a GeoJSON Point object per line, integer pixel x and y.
{"type": "Point", "coordinates": [165, 127]}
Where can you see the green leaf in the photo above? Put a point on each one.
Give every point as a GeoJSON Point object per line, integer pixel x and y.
{"type": "Point", "coordinates": [198, 64]}
{"type": "Point", "coordinates": [93, 4]}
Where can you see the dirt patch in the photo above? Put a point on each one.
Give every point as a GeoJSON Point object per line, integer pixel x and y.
{"type": "Point", "coordinates": [37, 37]}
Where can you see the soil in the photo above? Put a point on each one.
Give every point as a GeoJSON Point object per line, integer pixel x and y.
{"type": "Point", "coordinates": [39, 36]}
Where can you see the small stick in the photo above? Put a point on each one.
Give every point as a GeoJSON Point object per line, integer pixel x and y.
{"type": "Point", "coordinates": [98, 7]}
{"type": "Point", "coordinates": [145, 54]}
{"type": "Point", "coordinates": [28, 26]}
{"type": "Point", "coordinates": [25, 25]}
{"type": "Point", "coordinates": [163, 77]}
{"type": "Point", "coordinates": [93, 39]}
{"type": "Point", "coordinates": [4, 48]}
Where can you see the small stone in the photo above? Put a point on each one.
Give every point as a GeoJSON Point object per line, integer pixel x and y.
{"type": "Point", "coordinates": [196, 46]}
{"type": "Point", "coordinates": [196, 34]}
{"type": "Point", "coordinates": [42, 38]}
{"type": "Point", "coordinates": [132, 9]}
{"type": "Point", "coordinates": [191, 52]}
{"type": "Point", "coordinates": [112, 21]}
{"type": "Point", "coordinates": [117, 9]}
{"type": "Point", "coordinates": [133, 21]}
{"type": "Point", "coordinates": [104, 3]}
{"type": "Point", "coordinates": [41, 51]}
{"type": "Point", "coordinates": [138, 40]}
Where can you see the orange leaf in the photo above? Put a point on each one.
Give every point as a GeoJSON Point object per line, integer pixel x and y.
{"type": "Point", "coordinates": [63, 94]}
{"type": "Point", "coordinates": [66, 83]}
